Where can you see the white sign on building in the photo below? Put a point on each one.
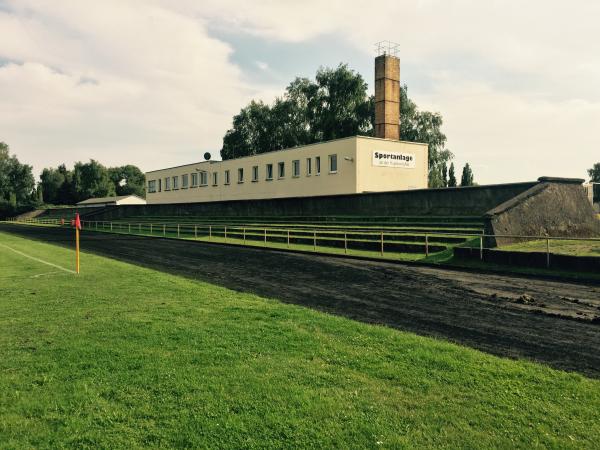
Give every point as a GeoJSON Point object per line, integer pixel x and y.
{"type": "Point", "coordinates": [393, 159]}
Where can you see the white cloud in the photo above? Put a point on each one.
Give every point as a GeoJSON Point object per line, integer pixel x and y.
{"type": "Point", "coordinates": [262, 65]}
{"type": "Point", "coordinates": [113, 82]}
{"type": "Point", "coordinates": [144, 82]}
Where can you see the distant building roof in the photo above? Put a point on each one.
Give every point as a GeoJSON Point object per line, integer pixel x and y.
{"type": "Point", "coordinates": [115, 200]}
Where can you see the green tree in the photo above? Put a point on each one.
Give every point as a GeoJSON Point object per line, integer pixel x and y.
{"type": "Point", "coordinates": [92, 180]}
{"type": "Point", "coordinates": [451, 176]}
{"type": "Point", "coordinates": [39, 194]}
{"type": "Point", "coordinates": [67, 194]}
{"type": "Point", "coordinates": [135, 178]}
{"type": "Point", "coordinates": [51, 182]}
{"type": "Point", "coordinates": [445, 175]}
{"type": "Point", "coordinates": [467, 176]}
{"type": "Point", "coordinates": [334, 105]}
{"type": "Point", "coordinates": [4, 171]}
{"type": "Point", "coordinates": [16, 180]}
{"type": "Point", "coordinates": [594, 173]}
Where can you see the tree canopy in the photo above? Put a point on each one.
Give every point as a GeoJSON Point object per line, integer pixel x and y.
{"type": "Point", "coordinates": [61, 186]}
{"type": "Point", "coordinates": [17, 184]}
{"type": "Point", "coordinates": [333, 105]}
{"type": "Point", "coordinates": [467, 176]}
{"type": "Point", "coordinates": [135, 178]}
{"type": "Point", "coordinates": [594, 173]}
{"type": "Point", "coordinates": [451, 176]}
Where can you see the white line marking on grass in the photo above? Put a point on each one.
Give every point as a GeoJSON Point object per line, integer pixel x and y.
{"type": "Point", "coordinates": [37, 259]}
{"type": "Point", "coordinates": [45, 274]}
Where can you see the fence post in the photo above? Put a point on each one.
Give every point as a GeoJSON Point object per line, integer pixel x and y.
{"type": "Point", "coordinates": [195, 231]}
{"type": "Point", "coordinates": [177, 230]}
{"type": "Point", "coordinates": [164, 229]}
{"type": "Point", "coordinates": [481, 248]}
{"type": "Point", "coordinates": [426, 246]}
{"type": "Point", "coordinates": [244, 235]}
{"type": "Point", "coordinates": [111, 226]}
{"type": "Point", "coordinates": [315, 240]}
{"type": "Point", "coordinates": [265, 237]}
{"type": "Point", "coordinates": [225, 232]}
{"type": "Point", "coordinates": [346, 243]}
{"type": "Point", "coordinates": [288, 238]}
{"type": "Point", "coordinates": [209, 232]}
{"type": "Point", "coordinates": [382, 243]}
{"type": "Point", "coordinates": [150, 229]}
{"type": "Point", "coordinates": [548, 253]}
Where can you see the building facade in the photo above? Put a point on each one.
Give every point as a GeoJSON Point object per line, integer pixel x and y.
{"type": "Point", "coordinates": [344, 166]}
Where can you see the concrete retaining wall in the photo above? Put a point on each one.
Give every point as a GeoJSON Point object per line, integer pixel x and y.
{"type": "Point", "coordinates": [468, 201]}
{"type": "Point", "coordinates": [589, 264]}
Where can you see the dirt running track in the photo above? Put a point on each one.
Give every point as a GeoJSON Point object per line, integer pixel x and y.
{"type": "Point", "coordinates": [547, 321]}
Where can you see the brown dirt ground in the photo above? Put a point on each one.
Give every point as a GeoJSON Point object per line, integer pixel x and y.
{"type": "Point", "coordinates": [556, 323]}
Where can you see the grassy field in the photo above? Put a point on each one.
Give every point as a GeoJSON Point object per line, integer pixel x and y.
{"type": "Point", "coordinates": [124, 357]}
{"type": "Point", "coordinates": [566, 247]}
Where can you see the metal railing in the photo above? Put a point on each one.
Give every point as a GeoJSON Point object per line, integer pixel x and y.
{"type": "Point", "coordinates": [382, 242]}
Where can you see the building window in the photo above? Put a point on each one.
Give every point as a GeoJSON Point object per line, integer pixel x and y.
{"type": "Point", "coordinates": [308, 167]}
{"type": "Point", "coordinates": [255, 173]}
{"type": "Point", "coordinates": [168, 184]}
{"type": "Point", "coordinates": [317, 165]}
{"type": "Point", "coordinates": [160, 185]}
{"type": "Point", "coordinates": [176, 182]}
{"type": "Point", "coordinates": [215, 178]}
{"type": "Point", "coordinates": [332, 163]}
{"type": "Point", "coordinates": [281, 170]}
{"type": "Point", "coordinates": [240, 175]}
{"type": "Point", "coordinates": [227, 177]}
{"type": "Point", "coordinates": [269, 171]}
{"type": "Point", "coordinates": [204, 178]}
{"type": "Point", "coordinates": [194, 180]}
{"type": "Point", "coordinates": [185, 181]}
{"type": "Point", "coordinates": [296, 168]}
{"type": "Point", "coordinates": [152, 186]}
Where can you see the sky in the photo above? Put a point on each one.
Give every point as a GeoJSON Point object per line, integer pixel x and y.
{"type": "Point", "coordinates": [156, 83]}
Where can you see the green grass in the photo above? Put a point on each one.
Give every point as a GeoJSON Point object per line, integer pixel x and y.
{"type": "Point", "coordinates": [560, 247]}
{"type": "Point", "coordinates": [122, 356]}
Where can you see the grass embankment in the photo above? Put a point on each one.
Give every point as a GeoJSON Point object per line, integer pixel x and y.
{"type": "Point", "coordinates": [122, 356]}
{"type": "Point", "coordinates": [558, 247]}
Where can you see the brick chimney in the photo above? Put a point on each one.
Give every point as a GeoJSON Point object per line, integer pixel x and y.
{"type": "Point", "coordinates": [387, 97]}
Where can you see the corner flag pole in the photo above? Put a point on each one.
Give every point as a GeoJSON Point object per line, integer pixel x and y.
{"type": "Point", "coordinates": [77, 228]}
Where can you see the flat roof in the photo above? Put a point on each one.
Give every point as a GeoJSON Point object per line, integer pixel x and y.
{"type": "Point", "coordinates": [106, 199]}
{"type": "Point", "coordinates": [287, 149]}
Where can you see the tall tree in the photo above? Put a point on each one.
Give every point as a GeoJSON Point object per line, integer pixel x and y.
{"type": "Point", "coordinates": [444, 175]}
{"type": "Point", "coordinates": [451, 176]}
{"type": "Point", "coordinates": [334, 105]}
{"type": "Point", "coordinates": [467, 176]}
{"type": "Point", "coordinates": [16, 182]}
{"type": "Point", "coordinates": [594, 173]}
{"type": "Point", "coordinates": [134, 177]}
{"type": "Point", "coordinates": [51, 182]}
{"type": "Point", "coordinates": [91, 180]}
{"type": "Point", "coordinates": [15, 178]}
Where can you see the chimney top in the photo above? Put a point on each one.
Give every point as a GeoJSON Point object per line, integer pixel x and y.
{"type": "Point", "coordinates": [388, 48]}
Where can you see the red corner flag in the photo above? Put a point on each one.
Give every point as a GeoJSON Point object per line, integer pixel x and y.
{"type": "Point", "coordinates": [77, 223]}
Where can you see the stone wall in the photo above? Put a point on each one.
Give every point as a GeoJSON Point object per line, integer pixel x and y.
{"type": "Point", "coordinates": [553, 207]}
